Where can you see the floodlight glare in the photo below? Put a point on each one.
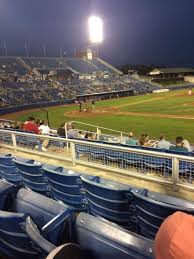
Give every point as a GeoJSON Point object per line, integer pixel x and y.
{"type": "Point", "coordinates": [95, 29]}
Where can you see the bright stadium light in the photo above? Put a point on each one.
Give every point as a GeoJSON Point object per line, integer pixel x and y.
{"type": "Point", "coordinates": [95, 29]}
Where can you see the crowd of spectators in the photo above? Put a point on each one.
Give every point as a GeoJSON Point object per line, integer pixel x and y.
{"type": "Point", "coordinates": [14, 94]}
{"type": "Point", "coordinates": [181, 145]}
{"type": "Point", "coordinates": [68, 130]}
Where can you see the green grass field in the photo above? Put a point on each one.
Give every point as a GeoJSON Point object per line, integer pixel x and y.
{"type": "Point", "coordinates": [170, 113]}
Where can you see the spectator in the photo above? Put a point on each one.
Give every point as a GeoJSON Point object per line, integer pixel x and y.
{"type": "Point", "coordinates": [179, 145]}
{"type": "Point", "coordinates": [174, 239]}
{"type": "Point", "coordinates": [187, 145]}
{"type": "Point", "coordinates": [163, 144]}
{"type": "Point", "coordinates": [131, 141]}
{"type": "Point", "coordinates": [90, 136]}
{"type": "Point", "coordinates": [72, 133]}
{"type": "Point", "coordinates": [144, 140]}
{"type": "Point", "coordinates": [31, 126]}
{"type": "Point", "coordinates": [80, 134]}
{"type": "Point", "coordinates": [44, 128]}
{"type": "Point", "coordinates": [16, 125]}
{"type": "Point", "coordinates": [61, 130]}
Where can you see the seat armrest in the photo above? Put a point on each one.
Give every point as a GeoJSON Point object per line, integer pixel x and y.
{"type": "Point", "coordinates": [35, 236]}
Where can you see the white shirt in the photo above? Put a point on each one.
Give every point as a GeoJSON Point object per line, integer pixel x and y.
{"type": "Point", "coordinates": [45, 130]}
{"type": "Point", "coordinates": [163, 144]}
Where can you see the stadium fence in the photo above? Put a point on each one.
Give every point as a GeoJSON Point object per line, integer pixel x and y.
{"type": "Point", "coordinates": [173, 170]}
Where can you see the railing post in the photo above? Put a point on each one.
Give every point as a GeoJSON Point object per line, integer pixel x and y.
{"type": "Point", "coordinates": [175, 173]}
{"type": "Point", "coordinates": [97, 133]}
{"type": "Point", "coordinates": [73, 155]}
{"type": "Point", "coordinates": [13, 137]}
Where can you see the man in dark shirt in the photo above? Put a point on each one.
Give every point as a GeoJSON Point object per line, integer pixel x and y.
{"type": "Point", "coordinates": [179, 145]}
{"type": "Point", "coordinates": [61, 130]}
{"type": "Point", "coordinates": [31, 126]}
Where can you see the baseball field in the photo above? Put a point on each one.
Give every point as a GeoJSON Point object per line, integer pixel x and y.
{"type": "Point", "coordinates": [169, 113]}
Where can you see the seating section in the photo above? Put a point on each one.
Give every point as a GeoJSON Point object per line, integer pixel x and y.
{"type": "Point", "coordinates": [110, 205]}
{"type": "Point", "coordinates": [107, 240]}
{"type": "Point", "coordinates": [109, 199]}
{"type": "Point", "coordinates": [9, 171]}
{"type": "Point", "coordinates": [152, 208]}
{"type": "Point", "coordinates": [141, 163]}
{"type": "Point", "coordinates": [7, 192]}
{"type": "Point", "coordinates": [32, 175]}
{"type": "Point", "coordinates": [66, 186]}
{"type": "Point", "coordinates": [52, 219]}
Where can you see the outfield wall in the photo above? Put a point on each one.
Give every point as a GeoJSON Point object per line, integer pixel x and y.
{"type": "Point", "coordinates": [19, 108]}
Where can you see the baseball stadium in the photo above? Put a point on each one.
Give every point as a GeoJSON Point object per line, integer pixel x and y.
{"type": "Point", "coordinates": [96, 159]}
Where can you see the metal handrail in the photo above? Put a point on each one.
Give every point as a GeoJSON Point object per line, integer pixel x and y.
{"type": "Point", "coordinates": [107, 146]}
{"type": "Point", "coordinates": [173, 181]}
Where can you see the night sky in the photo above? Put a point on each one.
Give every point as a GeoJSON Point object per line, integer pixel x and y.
{"type": "Point", "coordinates": [135, 31]}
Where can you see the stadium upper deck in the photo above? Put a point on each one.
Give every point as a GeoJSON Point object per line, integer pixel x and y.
{"type": "Point", "coordinates": [20, 65]}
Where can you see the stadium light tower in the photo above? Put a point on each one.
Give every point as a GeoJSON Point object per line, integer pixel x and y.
{"type": "Point", "coordinates": [95, 25]}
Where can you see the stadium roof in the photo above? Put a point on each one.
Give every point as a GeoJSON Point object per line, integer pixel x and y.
{"type": "Point", "coordinates": [171, 70]}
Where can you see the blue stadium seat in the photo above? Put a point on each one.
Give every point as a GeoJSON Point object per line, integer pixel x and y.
{"type": "Point", "coordinates": [32, 175]}
{"type": "Point", "coordinates": [106, 240]}
{"type": "Point", "coordinates": [65, 251]}
{"type": "Point", "coordinates": [108, 199]}
{"type": "Point", "coordinates": [8, 170]}
{"type": "Point", "coordinates": [66, 186]}
{"type": "Point", "coordinates": [151, 209]}
{"type": "Point", "coordinates": [81, 149]}
{"type": "Point", "coordinates": [14, 242]}
{"type": "Point", "coordinates": [52, 219]}
{"type": "Point", "coordinates": [35, 236]}
{"type": "Point", "coordinates": [49, 215]}
{"type": "Point", "coordinates": [7, 193]}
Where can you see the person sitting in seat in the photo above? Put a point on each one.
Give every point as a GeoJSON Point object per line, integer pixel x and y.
{"type": "Point", "coordinates": [44, 128]}
{"type": "Point", "coordinates": [163, 143]}
{"type": "Point", "coordinates": [187, 145]}
{"type": "Point", "coordinates": [61, 131]}
{"type": "Point", "coordinates": [174, 239]}
{"type": "Point", "coordinates": [31, 126]}
{"type": "Point", "coordinates": [179, 145]}
{"type": "Point", "coordinates": [131, 141]}
{"type": "Point", "coordinates": [145, 140]}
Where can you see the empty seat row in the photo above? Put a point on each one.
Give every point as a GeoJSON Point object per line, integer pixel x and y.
{"type": "Point", "coordinates": [143, 163]}
{"type": "Point", "coordinates": [151, 209]}
{"type": "Point", "coordinates": [52, 181]}
{"type": "Point", "coordinates": [50, 217]}
{"type": "Point", "coordinates": [34, 225]}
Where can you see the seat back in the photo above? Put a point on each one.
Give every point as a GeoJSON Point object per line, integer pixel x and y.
{"type": "Point", "coordinates": [108, 199]}
{"type": "Point", "coordinates": [35, 236]}
{"type": "Point", "coordinates": [32, 175]}
{"type": "Point", "coordinates": [151, 209]}
{"type": "Point", "coordinates": [14, 241]}
{"type": "Point", "coordinates": [6, 160]}
{"type": "Point", "coordinates": [7, 193]}
{"type": "Point", "coordinates": [50, 216]}
{"type": "Point", "coordinates": [8, 170]}
{"type": "Point", "coordinates": [109, 241]}
{"type": "Point", "coordinates": [66, 186]}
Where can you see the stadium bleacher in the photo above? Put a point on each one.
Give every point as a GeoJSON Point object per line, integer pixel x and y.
{"type": "Point", "coordinates": [104, 203]}
{"type": "Point", "coordinates": [44, 91]}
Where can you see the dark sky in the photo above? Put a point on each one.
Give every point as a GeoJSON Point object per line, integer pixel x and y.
{"type": "Point", "coordinates": [135, 31]}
